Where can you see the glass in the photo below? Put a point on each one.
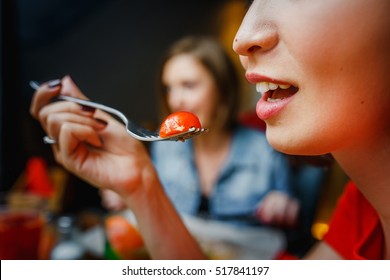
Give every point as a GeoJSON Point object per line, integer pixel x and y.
{"type": "Point", "coordinates": [21, 228]}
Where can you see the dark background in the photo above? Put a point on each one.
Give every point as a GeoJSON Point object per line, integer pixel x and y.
{"type": "Point", "coordinates": [110, 48]}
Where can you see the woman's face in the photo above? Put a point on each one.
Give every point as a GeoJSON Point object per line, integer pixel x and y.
{"type": "Point", "coordinates": [190, 87]}
{"type": "Point", "coordinates": [323, 70]}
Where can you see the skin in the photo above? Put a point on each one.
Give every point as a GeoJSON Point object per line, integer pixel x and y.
{"type": "Point", "coordinates": [336, 54]}
{"type": "Point", "coordinates": [340, 63]}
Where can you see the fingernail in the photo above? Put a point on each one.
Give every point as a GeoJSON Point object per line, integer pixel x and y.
{"type": "Point", "coordinates": [87, 109]}
{"type": "Point", "coordinates": [54, 83]}
{"type": "Point", "coordinates": [102, 122]}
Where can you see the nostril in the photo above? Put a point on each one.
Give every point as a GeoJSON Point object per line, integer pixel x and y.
{"type": "Point", "coordinates": [253, 49]}
{"type": "Point", "coordinates": [244, 48]}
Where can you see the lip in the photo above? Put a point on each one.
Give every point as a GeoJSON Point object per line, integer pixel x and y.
{"type": "Point", "coordinates": [264, 109]}
{"type": "Point", "coordinates": [254, 78]}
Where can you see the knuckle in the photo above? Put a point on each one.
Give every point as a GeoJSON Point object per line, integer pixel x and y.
{"type": "Point", "coordinates": [41, 115]}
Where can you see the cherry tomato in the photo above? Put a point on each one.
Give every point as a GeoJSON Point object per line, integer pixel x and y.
{"type": "Point", "coordinates": [178, 122]}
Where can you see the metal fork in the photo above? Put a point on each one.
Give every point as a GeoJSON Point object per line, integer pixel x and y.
{"type": "Point", "coordinates": [134, 130]}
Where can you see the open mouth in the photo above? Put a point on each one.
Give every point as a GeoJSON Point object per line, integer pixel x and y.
{"type": "Point", "coordinates": [275, 92]}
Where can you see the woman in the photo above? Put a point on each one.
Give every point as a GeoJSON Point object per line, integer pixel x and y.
{"type": "Point", "coordinates": [322, 68]}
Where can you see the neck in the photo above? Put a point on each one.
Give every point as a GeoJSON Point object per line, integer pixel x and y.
{"type": "Point", "coordinates": [368, 167]}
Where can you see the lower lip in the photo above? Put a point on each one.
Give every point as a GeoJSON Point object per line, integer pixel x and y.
{"type": "Point", "coordinates": [266, 110]}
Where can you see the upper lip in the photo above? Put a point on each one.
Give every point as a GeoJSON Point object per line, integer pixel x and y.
{"type": "Point", "coordinates": [257, 78]}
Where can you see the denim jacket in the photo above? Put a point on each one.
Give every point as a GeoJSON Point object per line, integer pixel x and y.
{"type": "Point", "coordinates": [252, 169]}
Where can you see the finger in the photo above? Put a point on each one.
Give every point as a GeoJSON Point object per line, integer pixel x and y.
{"type": "Point", "coordinates": [55, 121]}
{"type": "Point", "coordinates": [42, 97]}
{"type": "Point", "coordinates": [272, 209]}
{"type": "Point", "coordinates": [72, 133]}
{"type": "Point", "coordinates": [263, 212]}
{"type": "Point", "coordinates": [70, 88]}
{"type": "Point", "coordinates": [291, 214]}
{"type": "Point", "coordinates": [273, 214]}
{"type": "Point", "coordinates": [62, 107]}
{"type": "Point", "coordinates": [75, 143]}
{"type": "Point", "coordinates": [280, 215]}
{"type": "Point", "coordinates": [285, 212]}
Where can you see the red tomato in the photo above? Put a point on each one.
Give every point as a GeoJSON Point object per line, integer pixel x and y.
{"type": "Point", "coordinates": [178, 122]}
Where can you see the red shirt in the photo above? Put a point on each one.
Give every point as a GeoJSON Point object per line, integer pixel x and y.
{"type": "Point", "coordinates": [355, 231]}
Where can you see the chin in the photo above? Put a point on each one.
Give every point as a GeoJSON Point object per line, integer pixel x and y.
{"type": "Point", "coordinates": [278, 142]}
{"type": "Point", "coordinates": [288, 144]}
{"type": "Point", "coordinates": [284, 148]}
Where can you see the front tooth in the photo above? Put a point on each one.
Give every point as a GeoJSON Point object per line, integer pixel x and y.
{"type": "Point", "coordinates": [262, 87]}
{"type": "Point", "coordinates": [272, 86]}
{"type": "Point", "coordinates": [284, 86]}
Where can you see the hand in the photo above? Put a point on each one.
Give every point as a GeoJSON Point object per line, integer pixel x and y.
{"type": "Point", "coordinates": [91, 144]}
{"type": "Point", "coordinates": [278, 209]}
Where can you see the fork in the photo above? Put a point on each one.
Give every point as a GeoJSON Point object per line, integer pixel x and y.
{"type": "Point", "coordinates": [136, 131]}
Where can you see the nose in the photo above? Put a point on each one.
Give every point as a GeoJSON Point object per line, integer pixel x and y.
{"type": "Point", "coordinates": [257, 32]}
